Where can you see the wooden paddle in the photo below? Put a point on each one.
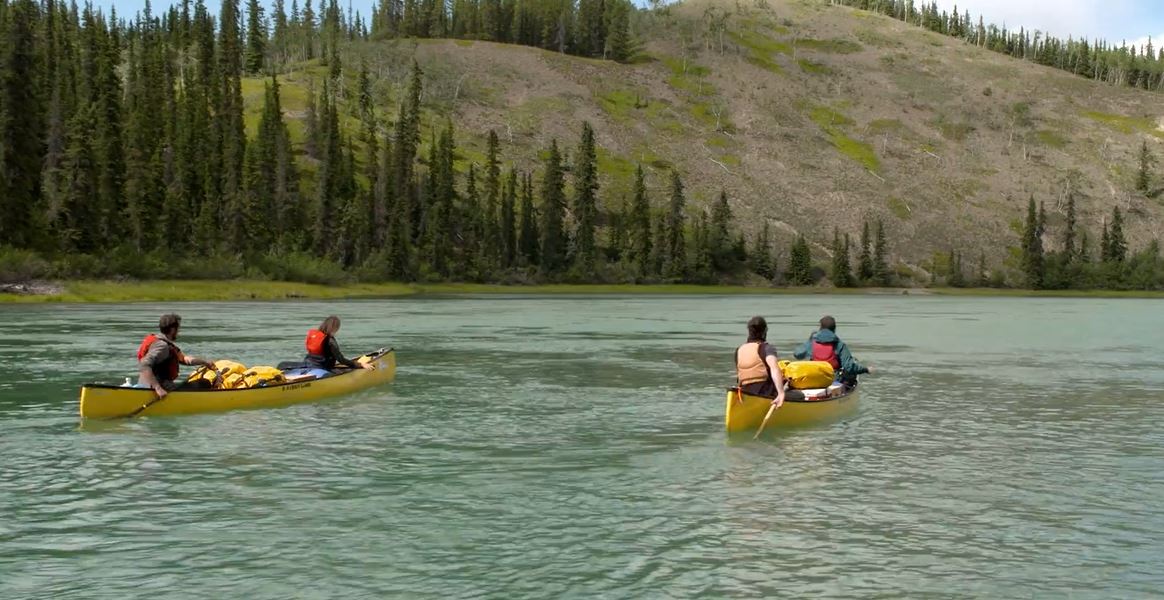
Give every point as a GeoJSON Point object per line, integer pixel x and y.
{"type": "Point", "coordinates": [157, 399]}
{"type": "Point", "coordinates": [764, 423]}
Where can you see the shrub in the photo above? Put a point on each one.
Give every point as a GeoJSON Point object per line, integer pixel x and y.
{"type": "Point", "coordinates": [18, 266]}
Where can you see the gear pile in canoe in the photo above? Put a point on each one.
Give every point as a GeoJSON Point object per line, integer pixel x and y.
{"type": "Point", "coordinates": [232, 386]}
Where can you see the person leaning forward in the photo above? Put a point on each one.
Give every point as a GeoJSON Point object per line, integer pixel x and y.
{"type": "Point", "coordinates": [158, 357]}
{"type": "Point", "coordinates": [756, 370]}
{"type": "Point", "coordinates": [323, 351]}
{"type": "Point", "coordinates": [824, 345]}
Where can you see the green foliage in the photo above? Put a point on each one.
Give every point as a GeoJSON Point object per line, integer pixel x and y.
{"type": "Point", "coordinates": [834, 46]}
{"type": "Point", "coordinates": [880, 268]}
{"type": "Point", "coordinates": [1144, 177]}
{"type": "Point", "coordinates": [800, 263]}
{"type": "Point", "coordinates": [842, 273]}
{"type": "Point", "coordinates": [1032, 248]}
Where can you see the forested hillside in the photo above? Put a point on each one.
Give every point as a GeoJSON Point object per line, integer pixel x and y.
{"type": "Point", "coordinates": [790, 142]}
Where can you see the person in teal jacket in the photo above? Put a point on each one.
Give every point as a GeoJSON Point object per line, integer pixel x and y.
{"type": "Point", "coordinates": [824, 345]}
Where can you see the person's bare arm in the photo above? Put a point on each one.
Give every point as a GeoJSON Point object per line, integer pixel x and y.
{"type": "Point", "coordinates": [194, 360]}
{"type": "Point", "coordinates": [777, 378]}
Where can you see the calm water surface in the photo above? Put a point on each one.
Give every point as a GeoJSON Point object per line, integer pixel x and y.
{"type": "Point", "coordinates": [551, 447]}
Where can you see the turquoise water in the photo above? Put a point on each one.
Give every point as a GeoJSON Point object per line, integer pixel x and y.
{"type": "Point", "coordinates": [573, 446]}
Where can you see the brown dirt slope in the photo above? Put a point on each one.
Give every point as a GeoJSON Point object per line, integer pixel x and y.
{"type": "Point", "coordinates": [812, 116]}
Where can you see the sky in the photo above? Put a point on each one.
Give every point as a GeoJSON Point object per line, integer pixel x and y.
{"type": "Point", "coordinates": [1113, 20]}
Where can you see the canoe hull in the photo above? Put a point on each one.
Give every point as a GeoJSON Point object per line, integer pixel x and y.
{"type": "Point", "coordinates": [104, 402]}
{"type": "Point", "coordinates": [746, 412]}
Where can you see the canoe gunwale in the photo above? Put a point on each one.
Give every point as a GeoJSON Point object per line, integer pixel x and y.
{"type": "Point", "coordinates": [848, 392]}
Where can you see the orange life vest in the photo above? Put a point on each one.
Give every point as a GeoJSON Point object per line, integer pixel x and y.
{"type": "Point", "coordinates": [316, 342]}
{"type": "Point", "coordinates": [750, 365]}
{"type": "Point", "coordinates": [167, 371]}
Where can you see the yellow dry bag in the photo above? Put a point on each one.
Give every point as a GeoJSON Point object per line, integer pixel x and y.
{"type": "Point", "coordinates": [263, 377]}
{"type": "Point", "coordinates": [807, 374]}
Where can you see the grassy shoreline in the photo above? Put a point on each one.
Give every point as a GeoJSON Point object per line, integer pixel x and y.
{"type": "Point", "coordinates": [234, 290]}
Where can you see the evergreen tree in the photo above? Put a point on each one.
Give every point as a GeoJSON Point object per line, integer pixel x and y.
{"type": "Point", "coordinates": [1117, 244]}
{"type": "Point", "coordinates": [585, 204]}
{"type": "Point", "coordinates": [620, 43]}
{"type": "Point", "coordinates": [719, 239]}
{"type": "Point", "coordinates": [553, 247]}
{"type": "Point", "coordinates": [982, 280]}
{"type": "Point", "coordinates": [675, 251]}
{"type": "Point", "coordinates": [880, 268]}
{"type": "Point", "coordinates": [761, 256]}
{"type": "Point", "coordinates": [865, 267]}
{"type": "Point", "coordinates": [21, 127]}
{"type": "Point", "coordinates": [1069, 233]}
{"type": "Point", "coordinates": [957, 278]}
{"type": "Point", "coordinates": [77, 230]}
{"type": "Point", "coordinates": [493, 247]}
{"type": "Point", "coordinates": [800, 263]}
{"type": "Point", "coordinates": [508, 224]}
{"type": "Point", "coordinates": [1032, 248]}
{"type": "Point", "coordinates": [1144, 178]}
{"type": "Point", "coordinates": [842, 274]}
{"type": "Point", "coordinates": [529, 242]}
{"type": "Point", "coordinates": [256, 38]}
{"type": "Point", "coordinates": [639, 225]}
{"type": "Point", "coordinates": [590, 37]}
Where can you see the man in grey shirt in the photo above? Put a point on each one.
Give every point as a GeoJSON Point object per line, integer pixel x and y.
{"type": "Point", "coordinates": [158, 357]}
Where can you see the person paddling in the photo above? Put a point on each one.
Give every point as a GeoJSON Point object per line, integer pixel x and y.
{"type": "Point", "coordinates": [159, 358]}
{"type": "Point", "coordinates": [824, 345]}
{"type": "Point", "coordinates": [323, 351]}
{"type": "Point", "coordinates": [756, 370]}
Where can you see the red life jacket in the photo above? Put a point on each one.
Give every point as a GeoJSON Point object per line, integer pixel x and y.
{"type": "Point", "coordinates": [167, 370]}
{"type": "Point", "coordinates": [316, 342]}
{"type": "Point", "coordinates": [827, 353]}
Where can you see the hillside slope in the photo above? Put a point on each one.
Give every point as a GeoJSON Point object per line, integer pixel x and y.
{"type": "Point", "coordinates": [810, 116]}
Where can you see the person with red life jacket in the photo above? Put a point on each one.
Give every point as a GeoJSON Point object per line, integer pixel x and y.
{"type": "Point", "coordinates": [824, 345]}
{"type": "Point", "coordinates": [158, 357]}
{"type": "Point", "coordinates": [323, 350]}
{"type": "Point", "coordinates": [756, 370]}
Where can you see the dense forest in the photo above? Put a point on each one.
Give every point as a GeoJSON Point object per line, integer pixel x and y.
{"type": "Point", "coordinates": [1100, 60]}
{"type": "Point", "coordinates": [124, 152]}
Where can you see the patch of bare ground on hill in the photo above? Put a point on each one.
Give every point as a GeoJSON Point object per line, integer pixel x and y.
{"type": "Point", "coordinates": [812, 116]}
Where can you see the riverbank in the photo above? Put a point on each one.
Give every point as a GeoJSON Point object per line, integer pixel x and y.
{"type": "Point", "coordinates": [232, 290]}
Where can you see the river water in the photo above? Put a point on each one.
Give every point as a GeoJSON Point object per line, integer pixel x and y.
{"type": "Point", "coordinates": [573, 447]}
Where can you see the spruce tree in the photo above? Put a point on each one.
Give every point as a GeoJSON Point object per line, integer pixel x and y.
{"type": "Point", "coordinates": [880, 267]}
{"type": "Point", "coordinates": [761, 255]}
{"type": "Point", "coordinates": [1032, 248]}
{"type": "Point", "coordinates": [1118, 245]}
{"type": "Point", "coordinates": [553, 246]}
{"type": "Point", "coordinates": [256, 38]}
{"type": "Point", "coordinates": [508, 225]}
{"type": "Point", "coordinates": [639, 225]}
{"type": "Point", "coordinates": [982, 280]}
{"type": "Point", "coordinates": [719, 236]}
{"type": "Point", "coordinates": [800, 263]}
{"type": "Point", "coordinates": [957, 278]}
{"type": "Point", "coordinates": [1144, 177]}
{"type": "Point", "coordinates": [621, 45]}
{"type": "Point", "coordinates": [21, 127]}
{"type": "Point", "coordinates": [675, 251]}
{"type": "Point", "coordinates": [492, 245]}
{"type": "Point", "coordinates": [865, 266]}
{"type": "Point", "coordinates": [585, 204]}
{"type": "Point", "coordinates": [842, 274]}
{"type": "Point", "coordinates": [1069, 233]}
{"type": "Point", "coordinates": [529, 241]}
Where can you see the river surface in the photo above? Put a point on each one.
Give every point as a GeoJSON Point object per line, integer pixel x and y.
{"type": "Point", "coordinates": [573, 447]}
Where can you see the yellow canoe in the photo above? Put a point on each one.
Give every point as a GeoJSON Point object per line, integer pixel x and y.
{"type": "Point", "coordinates": [107, 401]}
{"type": "Point", "coordinates": [744, 412]}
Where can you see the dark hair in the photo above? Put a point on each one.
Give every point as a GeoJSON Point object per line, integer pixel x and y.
{"type": "Point", "coordinates": [330, 325]}
{"type": "Point", "coordinates": [169, 323]}
{"type": "Point", "coordinates": [757, 329]}
{"type": "Point", "coordinates": [827, 322]}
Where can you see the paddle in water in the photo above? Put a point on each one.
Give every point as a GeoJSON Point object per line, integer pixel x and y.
{"type": "Point", "coordinates": [767, 417]}
{"type": "Point", "coordinates": [157, 399]}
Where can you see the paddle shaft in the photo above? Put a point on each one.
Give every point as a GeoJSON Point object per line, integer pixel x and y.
{"type": "Point", "coordinates": [764, 423]}
{"type": "Point", "coordinates": [157, 399]}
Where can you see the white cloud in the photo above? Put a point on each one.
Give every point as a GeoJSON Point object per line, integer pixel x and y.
{"type": "Point", "coordinates": [1156, 40]}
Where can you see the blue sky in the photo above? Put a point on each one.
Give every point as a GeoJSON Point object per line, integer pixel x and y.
{"type": "Point", "coordinates": [1114, 20]}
